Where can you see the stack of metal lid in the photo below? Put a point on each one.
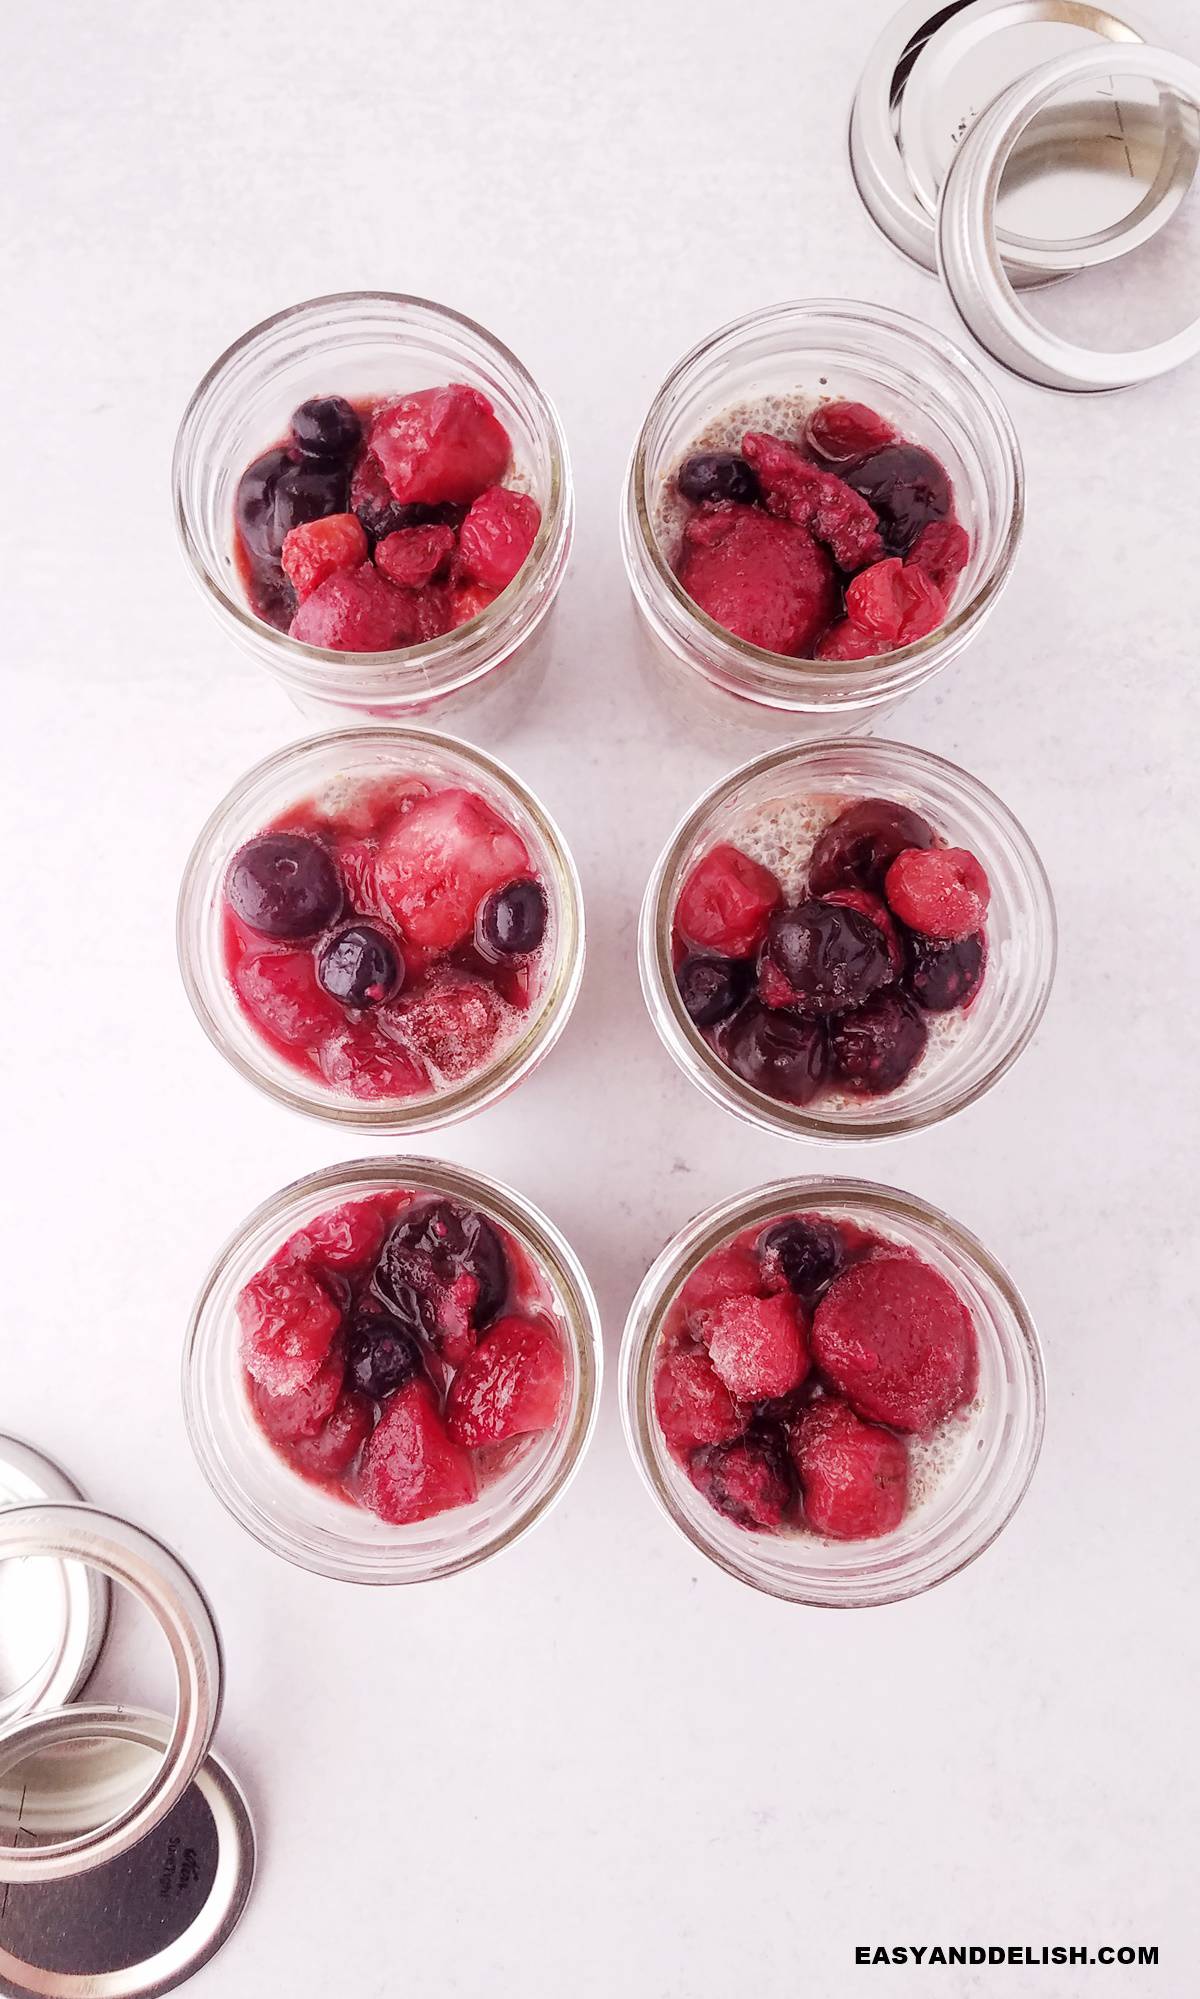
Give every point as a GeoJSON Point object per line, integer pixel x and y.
{"type": "Point", "coordinates": [126, 1846]}
{"type": "Point", "coordinates": [1011, 144]}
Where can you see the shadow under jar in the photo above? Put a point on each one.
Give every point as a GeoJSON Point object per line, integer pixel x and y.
{"type": "Point", "coordinates": [771, 808]}
{"type": "Point", "coordinates": [790, 358]}
{"type": "Point", "coordinates": [321, 782]}
{"type": "Point", "coordinates": [316, 1525]}
{"type": "Point", "coordinates": [965, 1482]}
{"type": "Point", "coordinates": [370, 346]}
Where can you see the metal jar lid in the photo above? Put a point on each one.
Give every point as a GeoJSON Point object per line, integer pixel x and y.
{"type": "Point", "coordinates": [53, 1615]}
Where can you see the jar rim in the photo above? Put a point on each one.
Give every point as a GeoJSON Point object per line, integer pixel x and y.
{"type": "Point", "coordinates": [475, 1092]}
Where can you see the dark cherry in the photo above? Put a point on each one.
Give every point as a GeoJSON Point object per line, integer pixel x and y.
{"type": "Point", "coordinates": [944, 972]}
{"type": "Point", "coordinates": [279, 492]}
{"type": "Point", "coordinates": [284, 885]}
{"type": "Point", "coordinates": [809, 1253]}
{"type": "Point", "coordinates": [877, 1046]}
{"type": "Point", "coordinates": [326, 427]}
{"type": "Point", "coordinates": [512, 921]}
{"type": "Point", "coordinates": [858, 847]}
{"type": "Point", "coordinates": [711, 988]}
{"type": "Point", "coordinates": [256, 503]}
{"type": "Point", "coordinates": [831, 957]}
{"type": "Point", "coordinates": [780, 1053]}
{"type": "Point", "coordinates": [907, 488]}
{"type": "Point", "coordinates": [360, 966]}
{"type": "Point", "coordinates": [755, 1467]}
{"type": "Point", "coordinates": [382, 1353]}
{"type": "Point", "coordinates": [428, 1249]}
{"type": "Point", "coordinates": [718, 475]}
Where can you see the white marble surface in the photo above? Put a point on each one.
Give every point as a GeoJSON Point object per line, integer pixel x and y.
{"type": "Point", "coordinates": [596, 1763]}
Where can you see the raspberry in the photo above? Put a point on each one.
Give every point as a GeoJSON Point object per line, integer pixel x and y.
{"type": "Point", "coordinates": [412, 1468]}
{"type": "Point", "coordinates": [496, 537]}
{"type": "Point", "coordinates": [316, 549]}
{"type": "Point", "coordinates": [440, 444]}
{"type": "Point", "coordinates": [748, 1480]}
{"type": "Point", "coordinates": [412, 557]}
{"type": "Point", "coordinates": [942, 891]}
{"type": "Point", "coordinates": [511, 1385]}
{"type": "Point", "coordinates": [846, 640]}
{"type": "Point", "coordinates": [439, 862]}
{"type": "Point", "coordinates": [757, 1346]}
{"type": "Point", "coordinates": [691, 1401]}
{"type": "Point", "coordinates": [279, 990]}
{"type": "Point", "coordinates": [898, 603]}
{"type": "Point", "coordinates": [841, 432]}
{"type": "Point", "coordinates": [729, 1272]}
{"type": "Point", "coordinates": [467, 601]}
{"type": "Point", "coordinates": [897, 1341]}
{"type": "Point", "coordinates": [879, 913]}
{"type": "Point", "coordinates": [344, 1238]}
{"type": "Point", "coordinates": [356, 610]}
{"type": "Point", "coordinates": [803, 494]}
{"type": "Point", "coordinates": [874, 1048]}
{"type": "Point", "coordinates": [764, 580]}
{"type": "Point", "coordinates": [853, 1476]}
{"type": "Point", "coordinates": [942, 550]}
{"type": "Point", "coordinates": [454, 1024]}
{"type": "Point", "coordinates": [366, 1064]}
{"type": "Point", "coordinates": [772, 987]}
{"type": "Point", "coordinates": [287, 1418]}
{"type": "Point", "coordinates": [456, 1305]}
{"type": "Point", "coordinates": [333, 1449]}
{"type": "Point", "coordinates": [288, 1324]}
{"type": "Point", "coordinates": [725, 903]}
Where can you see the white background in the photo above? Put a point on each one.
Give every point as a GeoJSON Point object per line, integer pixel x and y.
{"type": "Point", "coordinates": [595, 1765]}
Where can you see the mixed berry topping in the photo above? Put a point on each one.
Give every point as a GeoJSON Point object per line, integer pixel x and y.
{"type": "Point", "coordinates": [832, 988]}
{"type": "Point", "coordinates": [378, 525]}
{"type": "Point", "coordinates": [799, 1366]}
{"type": "Point", "coordinates": [390, 943]}
{"type": "Point", "coordinates": [391, 1345]}
{"type": "Point", "coordinates": [840, 544]}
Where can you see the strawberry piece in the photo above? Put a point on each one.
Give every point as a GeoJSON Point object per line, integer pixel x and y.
{"type": "Point", "coordinates": [440, 444]}
{"type": "Point", "coordinates": [729, 1272]}
{"type": "Point", "coordinates": [853, 1475]}
{"type": "Point", "coordinates": [764, 580]}
{"type": "Point", "coordinates": [897, 603]}
{"type": "Point", "coordinates": [432, 611]}
{"type": "Point", "coordinates": [496, 537]}
{"type": "Point", "coordinates": [843, 432]}
{"type": "Point", "coordinates": [748, 1480]}
{"type": "Point", "coordinates": [279, 989]}
{"type": "Point", "coordinates": [757, 1346]}
{"type": "Point", "coordinates": [511, 1385]}
{"type": "Point", "coordinates": [412, 557]}
{"type": "Point", "coordinates": [879, 913]}
{"type": "Point", "coordinates": [333, 1450]}
{"type": "Point", "coordinates": [412, 1468]}
{"type": "Point", "coordinates": [454, 1024]}
{"type": "Point", "coordinates": [346, 1238]}
{"type": "Point", "coordinates": [467, 601]}
{"type": "Point", "coordinates": [365, 1063]}
{"type": "Point", "coordinates": [356, 610]}
{"type": "Point", "coordinates": [288, 1323]}
{"type": "Point", "coordinates": [846, 640]}
{"type": "Point", "coordinates": [304, 1410]}
{"type": "Point", "coordinates": [802, 493]}
{"type": "Point", "coordinates": [438, 863]}
{"type": "Point", "coordinates": [315, 549]}
{"type": "Point", "coordinates": [940, 891]}
{"type": "Point", "coordinates": [897, 1341]}
{"type": "Point", "coordinates": [691, 1401]}
{"type": "Point", "coordinates": [725, 903]}
{"type": "Point", "coordinates": [942, 550]}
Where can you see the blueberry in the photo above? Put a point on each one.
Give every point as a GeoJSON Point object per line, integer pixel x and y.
{"type": "Point", "coordinates": [858, 847]}
{"type": "Point", "coordinates": [907, 488]}
{"type": "Point", "coordinates": [432, 1246]}
{"type": "Point", "coordinates": [711, 988]}
{"type": "Point", "coordinates": [382, 1354]}
{"type": "Point", "coordinates": [780, 1053]}
{"type": "Point", "coordinates": [831, 957]}
{"type": "Point", "coordinates": [512, 920]}
{"type": "Point", "coordinates": [718, 475]}
{"type": "Point", "coordinates": [360, 966]}
{"type": "Point", "coordinates": [876, 1047]}
{"type": "Point", "coordinates": [809, 1252]}
{"type": "Point", "coordinates": [944, 972]}
{"type": "Point", "coordinates": [284, 885]}
{"type": "Point", "coordinates": [326, 427]}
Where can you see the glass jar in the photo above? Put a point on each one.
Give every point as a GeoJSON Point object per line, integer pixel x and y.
{"type": "Point", "coordinates": [974, 1046]}
{"type": "Point", "coordinates": [982, 1481]}
{"type": "Point", "coordinates": [314, 1527]}
{"type": "Point", "coordinates": [349, 757]}
{"type": "Point", "coordinates": [935, 396]}
{"type": "Point", "coordinates": [361, 345]}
